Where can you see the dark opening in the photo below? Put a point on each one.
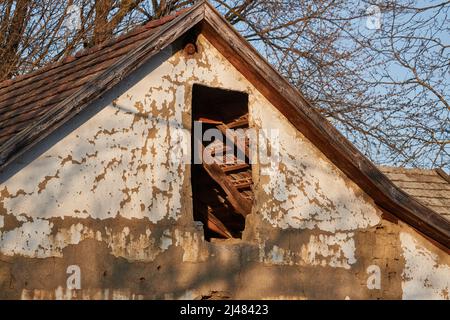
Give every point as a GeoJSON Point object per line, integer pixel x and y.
{"type": "Point", "coordinates": [222, 191]}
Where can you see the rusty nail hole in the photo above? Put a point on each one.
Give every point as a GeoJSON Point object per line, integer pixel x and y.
{"type": "Point", "coordinates": [142, 278]}
{"type": "Point", "coordinates": [190, 49]}
{"type": "Point", "coordinates": [105, 273]}
{"type": "Point", "coordinates": [158, 268]}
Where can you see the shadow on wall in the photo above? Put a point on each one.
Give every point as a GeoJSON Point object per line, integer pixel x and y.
{"type": "Point", "coordinates": [90, 111]}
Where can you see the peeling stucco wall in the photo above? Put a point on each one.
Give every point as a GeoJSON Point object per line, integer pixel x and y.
{"type": "Point", "coordinates": [110, 194]}
{"type": "Point", "coordinates": [337, 251]}
{"type": "Point", "coordinates": [305, 190]}
{"type": "Point", "coordinates": [424, 274]}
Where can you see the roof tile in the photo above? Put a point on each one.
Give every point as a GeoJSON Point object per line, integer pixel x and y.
{"type": "Point", "coordinates": [426, 185]}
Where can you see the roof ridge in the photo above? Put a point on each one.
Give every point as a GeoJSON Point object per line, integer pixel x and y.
{"type": "Point", "coordinates": [87, 51]}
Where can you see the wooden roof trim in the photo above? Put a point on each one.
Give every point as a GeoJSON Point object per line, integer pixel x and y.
{"type": "Point", "coordinates": [319, 131]}
{"type": "Point", "coordinates": [68, 108]}
{"type": "Point", "coordinates": [443, 174]}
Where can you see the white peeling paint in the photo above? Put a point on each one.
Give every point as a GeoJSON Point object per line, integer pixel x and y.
{"type": "Point", "coordinates": [140, 247]}
{"type": "Point", "coordinates": [337, 251]}
{"type": "Point", "coordinates": [192, 244]}
{"type": "Point", "coordinates": [166, 240]}
{"type": "Point", "coordinates": [115, 163]}
{"type": "Point", "coordinates": [308, 191]}
{"type": "Point", "coordinates": [61, 293]}
{"type": "Point", "coordinates": [188, 295]}
{"type": "Point", "coordinates": [35, 239]}
{"type": "Point", "coordinates": [423, 276]}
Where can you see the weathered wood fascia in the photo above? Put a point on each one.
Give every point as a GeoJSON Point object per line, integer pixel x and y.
{"type": "Point", "coordinates": [68, 108]}
{"type": "Point", "coordinates": [443, 174]}
{"type": "Point", "coordinates": [319, 131]}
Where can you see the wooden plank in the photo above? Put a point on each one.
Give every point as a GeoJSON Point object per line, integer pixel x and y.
{"type": "Point", "coordinates": [439, 202]}
{"type": "Point", "coordinates": [214, 224]}
{"type": "Point", "coordinates": [209, 121]}
{"type": "Point", "coordinates": [217, 226]}
{"type": "Point", "coordinates": [443, 174]}
{"type": "Point", "coordinates": [218, 150]}
{"type": "Point", "coordinates": [240, 204]}
{"type": "Point", "coordinates": [422, 185]}
{"type": "Point", "coordinates": [415, 178]}
{"type": "Point", "coordinates": [230, 135]}
{"type": "Point", "coordinates": [386, 170]}
{"type": "Point", "coordinates": [222, 211]}
{"type": "Point", "coordinates": [238, 123]}
{"type": "Point", "coordinates": [242, 183]}
{"type": "Point", "coordinates": [445, 211]}
{"type": "Point", "coordinates": [386, 215]}
{"type": "Point", "coordinates": [234, 167]}
{"type": "Point", "coordinates": [428, 193]}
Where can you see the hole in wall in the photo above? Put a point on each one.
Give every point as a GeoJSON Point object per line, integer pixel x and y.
{"type": "Point", "coordinates": [222, 187]}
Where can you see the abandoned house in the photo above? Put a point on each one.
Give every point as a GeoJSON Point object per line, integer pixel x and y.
{"type": "Point", "coordinates": [101, 196]}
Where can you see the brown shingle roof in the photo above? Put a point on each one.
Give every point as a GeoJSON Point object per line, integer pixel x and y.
{"type": "Point", "coordinates": [26, 99]}
{"type": "Point", "coordinates": [430, 187]}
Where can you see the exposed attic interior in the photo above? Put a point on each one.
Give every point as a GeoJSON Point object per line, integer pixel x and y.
{"type": "Point", "coordinates": [221, 189]}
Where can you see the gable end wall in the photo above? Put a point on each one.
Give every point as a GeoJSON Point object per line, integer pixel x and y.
{"type": "Point", "coordinates": [110, 194]}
